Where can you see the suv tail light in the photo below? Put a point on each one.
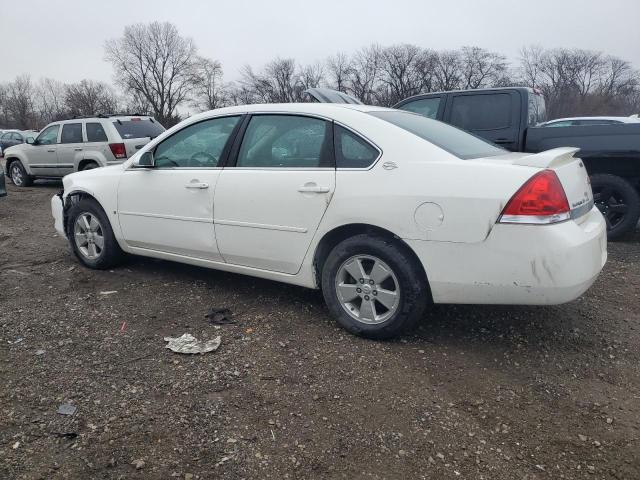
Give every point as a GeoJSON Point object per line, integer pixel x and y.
{"type": "Point", "coordinates": [118, 150]}
{"type": "Point", "coordinates": [541, 200]}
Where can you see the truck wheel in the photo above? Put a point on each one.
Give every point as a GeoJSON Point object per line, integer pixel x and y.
{"type": "Point", "coordinates": [19, 175]}
{"type": "Point", "coordinates": [618, 202]}
{"type": "Point", "coordinates": [373, 287]}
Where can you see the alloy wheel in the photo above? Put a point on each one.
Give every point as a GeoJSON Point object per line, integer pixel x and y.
{"type": "Point", "coordinates": [612, 204]}
{"type": "Point", "coordinates": [16, 174]}
{"type": "Point", "coordinates": [89, 236]}
{"type": "Point", "coordinates": [367, 289]}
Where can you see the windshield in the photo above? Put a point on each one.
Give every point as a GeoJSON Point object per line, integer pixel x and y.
{"type": "Point", "coordinates": [138, 128]}
{"type": "Point", "coordinates": [455, 141]}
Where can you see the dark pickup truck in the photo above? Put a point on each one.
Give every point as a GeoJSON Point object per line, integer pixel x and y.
{"type": "Point", "coordinates": [508, 117]}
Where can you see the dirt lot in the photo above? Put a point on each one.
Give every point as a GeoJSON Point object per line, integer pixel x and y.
{"type": "Point", "coordinates": [476, 392]}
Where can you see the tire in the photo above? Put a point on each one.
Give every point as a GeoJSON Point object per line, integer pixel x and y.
{"type": "Point", "coordinates": [399, 312]}
{"type": "Point", "coordinates": [619, 203]}
{"type": "Point", "coordinates": [89, 166]}
{"type": "Point", "coordinates": [18, 174]}
{"type": "Point", "coordinates": [87, 217]}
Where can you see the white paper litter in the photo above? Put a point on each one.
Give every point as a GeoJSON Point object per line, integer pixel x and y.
{"type": "Point", "coordinates": [187, 343]}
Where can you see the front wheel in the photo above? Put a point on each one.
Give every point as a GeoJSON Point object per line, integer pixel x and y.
{"type": "Point", "coordinates": [92, 239]}
{"type": "Point", "coordinates": [19, 175]}
{"type": "Point", "coordinates": [618, 202]}
{"type": "Point", "coordinates": [374, 287]}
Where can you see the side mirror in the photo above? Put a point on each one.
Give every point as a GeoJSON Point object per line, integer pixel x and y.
{"type": "Point", "coordinates": [145, 161]}
{"type": "Point", "coordinates": [30, 140]}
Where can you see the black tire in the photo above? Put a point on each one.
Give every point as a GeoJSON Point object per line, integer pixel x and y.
{"type": "Point", "coordinates": [414, 294]}
{"type": "Point", "coordinates": [110, 254]}
{"type": "Point", "coordinates": [619, 203]}
{"type": "Point", "coordinates": [89, 166]}
{"type": "Point", "coordinates": [18, 174]}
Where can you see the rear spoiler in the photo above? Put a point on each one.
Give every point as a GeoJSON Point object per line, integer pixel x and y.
{"type": "Point", "coordinates": [548, 158]}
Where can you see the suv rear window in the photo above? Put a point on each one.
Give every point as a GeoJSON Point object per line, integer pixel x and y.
{"type": "Point", "coordinates": [455, 141]}
{"type": "Point", "coordinates": [138, 128]}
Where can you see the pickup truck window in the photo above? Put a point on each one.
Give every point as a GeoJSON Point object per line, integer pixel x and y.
{"type": "Point", "coordinates": [482, 111]}
{"type": "Point", "coordinates": [453, 140]}
{"type": "Point", "coordinates": [425, 106]}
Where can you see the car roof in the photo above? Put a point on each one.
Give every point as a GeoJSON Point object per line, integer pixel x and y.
{"type": "Point", "coordinates": [315, 108]}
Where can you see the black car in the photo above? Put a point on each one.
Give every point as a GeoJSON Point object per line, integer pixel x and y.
{"type": "Point", "coordinates": [15, 137]}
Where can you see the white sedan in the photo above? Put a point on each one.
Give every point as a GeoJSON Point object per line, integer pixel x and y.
{"type": "Point", "coordinates": [386, 211]}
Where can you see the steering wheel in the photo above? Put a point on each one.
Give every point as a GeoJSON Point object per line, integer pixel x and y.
{"type": "Point", "coordinates": [202, 159]}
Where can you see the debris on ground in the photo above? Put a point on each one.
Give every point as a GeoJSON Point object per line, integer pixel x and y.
{"type": "Point", "coordinates": [40, 352]}
{"type": "Point", "coordinates": [187, 343]}
{"type": "Point", "coordinates": [67, 409]}
{"type": "Point", "coordinates": [220, 316]}
{"type": "Point", "coordinates": [139, 464]}
{"type": "Point", "coordinates": [108, 292]}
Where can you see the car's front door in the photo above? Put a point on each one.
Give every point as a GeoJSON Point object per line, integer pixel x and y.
{"type": "Point", "coordinates": [169, 207]}
{"type": "Point", "coordinates": [269, 203]}
{"type": "Point", "coordinates": [43, 154]}
{"type": "Point", "coordinates": [70, 149]}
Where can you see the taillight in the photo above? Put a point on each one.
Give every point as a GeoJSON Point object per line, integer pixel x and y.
{"type": "Point", "coordinates": [118, 150]}
{"type": "Point", "coordinates": [541, 200]}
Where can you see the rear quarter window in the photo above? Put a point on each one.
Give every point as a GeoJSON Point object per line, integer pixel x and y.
{"type": "Point", "coordinates": [141, 128]}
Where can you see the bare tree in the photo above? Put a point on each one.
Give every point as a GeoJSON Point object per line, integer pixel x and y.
{"type": "Point", "coordinates": [339, 67]}
{"type": "Point", "coordinates": [448, 71]}
{"type": "Point", "coordinates": [209, 92]}
{"type": "Point", "coordinates": [19, 102]}
{"type": "Point", "coordinates": [364, 73]}
{"type": "Point", "coordinates": [405, 70]}
{"type": "Point", "coordinates": [51, 101]}
{"type": "Point", "coordinates": [89, 97]}
{"type": "Point", "coordinates": [481, 68]}
{"type": "Point", "coordinates": [157, 63]}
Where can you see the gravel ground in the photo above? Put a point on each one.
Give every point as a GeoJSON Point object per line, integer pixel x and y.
{"type": "Point", "coordinates": [476, 392]}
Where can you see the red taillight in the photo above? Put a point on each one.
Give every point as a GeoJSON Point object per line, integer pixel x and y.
{"type": "Point", "coordinates": [118, 150]}
{"type": "Point", "coordinates": [540, 200]}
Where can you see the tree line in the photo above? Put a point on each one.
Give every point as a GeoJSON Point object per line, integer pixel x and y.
{"type": "Point", "coordinates": [160, 72]}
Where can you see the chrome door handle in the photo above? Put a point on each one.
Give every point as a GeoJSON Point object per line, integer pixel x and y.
{"type": "Point", "coordinates": [313, 188]}
{"type": "Point", "coordinates": [200, 186]}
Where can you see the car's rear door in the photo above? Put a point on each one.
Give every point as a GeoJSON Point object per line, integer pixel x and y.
{"type": "Point", "coordinates": [70, 149]}
{"type": "Point", "coordinates": [492, 115]}
{"type": "Point", "coordinates": [269, 202]}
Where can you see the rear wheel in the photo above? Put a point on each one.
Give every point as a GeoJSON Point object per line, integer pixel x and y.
{"type": "Point", "coordinates": [618, 202]}
{"type": "Point", "coordinates": [373, 287]}
{"type": "Point", "coordinates": [91, 237]}
{"type": "Point", "coordinates": [19, 175]}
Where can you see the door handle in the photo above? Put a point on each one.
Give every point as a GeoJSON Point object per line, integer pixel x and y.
{"type": "Point", "coordinates": [78, 149]}
{"type": "Point", "coordinates": [196, 185]}
{"type": "Point", "coordinates": [51, 151]}
{"type": "Point", "coordinates": [313, 188]}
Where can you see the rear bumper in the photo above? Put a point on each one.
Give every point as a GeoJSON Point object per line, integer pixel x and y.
{"type": "Point", "coordinates": [518, 264]}
{"type": "Point", "coordinates": [57, 211]}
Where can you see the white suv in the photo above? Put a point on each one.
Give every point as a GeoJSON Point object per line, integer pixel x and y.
{"type": "Point", "coordinates": [80, 144]}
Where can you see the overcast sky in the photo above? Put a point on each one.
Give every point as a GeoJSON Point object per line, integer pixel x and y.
{"type": "Point", "coordinates": [65, 40]}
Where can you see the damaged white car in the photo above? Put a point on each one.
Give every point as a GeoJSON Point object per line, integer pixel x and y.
{"type": "Point", "coordinates": [386, 211]}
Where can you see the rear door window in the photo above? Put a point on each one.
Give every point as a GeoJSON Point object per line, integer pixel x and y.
{"type": "Point", "coordinates": [425, 106]}
{"type": "Point", "coordinates": [71, 133]}
{"type": "Point", "coordinates": [138, 128]}
{"type": "Point", "coordinates": [481, 112]}
{"type": "Point", "coordinates": [285, 141]}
